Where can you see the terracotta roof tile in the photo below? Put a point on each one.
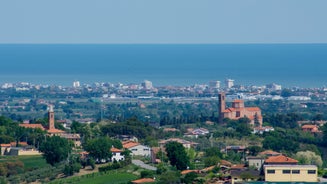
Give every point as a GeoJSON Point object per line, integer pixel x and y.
{"type": "Point", "coordinates": [238, 100]}
{"type": "Point", "coordinates": [143, 180]}
{"type": "Point", "coordinates": [309, 126]}
{"type": "Point", "coordinates": [281, 159]}
{"type": "Point", "coordinates": [252, 108]}
{"type": "Point", "coordinates": [189, 171]}
{"type": "Point", "coordinates": [225, 162]}
{"type": "Point", "coordinates": [5, 145]}
{"type": "Point", "coordinates": [32, 126]}
{"type": "Point", "coordinates": [55, 131]}
{"type": "Point", "coordinates": [238, 166]}
{"type": "Point", "coordinates": [269, 152]}
{"type": "Point", "coordinates": [130, 144]}
{"type": "Point", "coordinates": [115, 150]}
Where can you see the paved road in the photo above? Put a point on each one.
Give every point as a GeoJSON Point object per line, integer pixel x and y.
{"type": "Point", "coordinates": [143, 165]}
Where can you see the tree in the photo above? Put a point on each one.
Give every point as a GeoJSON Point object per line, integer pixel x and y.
{"type": "Point", "coordinates": [55, 149]}
{"type": "Point", "coordinates": [99, 148]}
{"type": "Point", "coordinates": [213, 151]}
{"type": "Point", "coordinates": [177, 155]}
{"type": "Point", "coordinates": [210, 161]}
{"type": "Point", "coordinates": [254, 150]}
{"type": "Point", "coordinates": [189, 178]}
{"type": "Point", "coordinates": [170, 177]}
{"type": "Point", "coordinates": [309, 157]}
{"type": "Point", "coordinates": [324, 137]}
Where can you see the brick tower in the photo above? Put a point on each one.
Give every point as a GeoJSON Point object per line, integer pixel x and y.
{"type": "Point", "coordinates": [51, 118]}
{"type": "Point", "coordinates": [222, 106]}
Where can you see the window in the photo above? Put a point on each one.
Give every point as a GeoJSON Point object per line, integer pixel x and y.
{"type": "Point", "coordinates": [286, 171]}
{"type": "Point", "coordinates": [238, 114]}
{"type": "Point", "coordinates": [134, 149]}
{"type": "Point", "coordinates": [311, 171]}
{"type": "Point", "coordinates": [145, 149]}
{"type": "Point", "coordinates": [271, 171]}
{"type": "Point", "coordinates": [295, 171]}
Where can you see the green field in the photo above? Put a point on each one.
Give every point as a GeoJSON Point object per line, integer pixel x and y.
{"type": "Point", "coordinates": [30, 162]}
{"type": "Point", "coordinates": [110, 178]}
{"type": "Point", "coordinates": [99, 178]}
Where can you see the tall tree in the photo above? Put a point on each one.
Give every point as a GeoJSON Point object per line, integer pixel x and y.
{"type": "Point", "coordinates": [177, 155]}
{"type": "Point", "coordinates": [99, 148]}
{"type": "Point", "coordinates": [55, 149]}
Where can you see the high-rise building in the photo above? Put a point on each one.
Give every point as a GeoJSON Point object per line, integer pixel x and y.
{"type": "Point", "coordinates": [147, 84]}
{"type": "Point", "coordinates": [76, 84]}
{"type": "Point", "coordinates": [214, 84]}
{"type": "Point", "coordinates": [229, 83]}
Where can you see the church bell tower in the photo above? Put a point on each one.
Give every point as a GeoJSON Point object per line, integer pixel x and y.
{"type": "Point", "coordinates": [51, 118]}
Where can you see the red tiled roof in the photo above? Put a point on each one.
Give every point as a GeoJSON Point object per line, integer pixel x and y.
{"type": "Point", "coordinates": [143, 180]}
{"type": "Point", "coordinates": [238, 166]}
{"type": "Point", "coordinates": [115, 150]}
{"type": "Point", "coordinates": [32, 126]}
{"type": "Point", "coordinates": [189, 171]}
{"type": "Point", "coordinates": [19, 143]}
{"type": "Point", "coordinates": [238, 100]}
{"type": "Point", "coordinates": [130, 144]}
{"type": "Point", "coordinates": [309, 126]}
{"type": "Point", "coordinates": [208, 168]}
{"type": "Point", "coordinates": [5, 145]}
{"type": "Point", "coordinates": [55, 131]}
{"type": "Point", "coordinates": [281, 159]}
{"type": "Point", "coordinates": [269, 152]}
{"type": "Point", "coordinates": [170, 130]}
{"type": "Point", "coordinates": [225, 162]}
{"type": "Point", "coordinates": [252, 108]}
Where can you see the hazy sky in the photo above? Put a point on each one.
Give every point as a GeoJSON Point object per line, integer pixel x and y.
{"type": "Point", "coordinates": [163, 21]}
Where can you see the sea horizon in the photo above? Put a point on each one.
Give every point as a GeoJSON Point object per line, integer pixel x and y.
{"type": "Point", "coordinates": [290, 65]}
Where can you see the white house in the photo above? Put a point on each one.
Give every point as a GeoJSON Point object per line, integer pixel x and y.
{"type": "Point", "coordinates": [137, 149]}
{"type": "Point", "coordinates": [116, 154]}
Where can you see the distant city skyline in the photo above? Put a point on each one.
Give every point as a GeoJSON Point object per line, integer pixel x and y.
{"type": "Point", "coordinates": [147, 21]}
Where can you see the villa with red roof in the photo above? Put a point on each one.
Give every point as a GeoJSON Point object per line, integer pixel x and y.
{"type": "Point", "coordinates": [238, 110]}
{"type": "Point", "coordinates": [116, 154]}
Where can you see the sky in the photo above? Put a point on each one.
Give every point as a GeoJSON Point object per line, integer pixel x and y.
{"type": "Point", "coordinates": [163, 21]}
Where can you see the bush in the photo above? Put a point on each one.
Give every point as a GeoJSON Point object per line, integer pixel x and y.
{"type": "Point", "coordinates": [147, 174]}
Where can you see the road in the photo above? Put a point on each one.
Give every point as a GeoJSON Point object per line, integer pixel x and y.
{"type": "Point", "coordinates": [143, 165]}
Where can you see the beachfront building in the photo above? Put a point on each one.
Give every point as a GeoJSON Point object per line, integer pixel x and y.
{"type": "Point", "coordinates": [147, 85]}
{"type": "Point", "coordinates": [238, 110]}
{"type": "Point", "coordinates": [291, 173]}
{"type": "Point", "coordinates": [229, 83]}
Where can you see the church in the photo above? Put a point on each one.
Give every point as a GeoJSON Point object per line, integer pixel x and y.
{"type": "Point", "coordinates": [51, 130]}
{"type": "Point", "coordinates": [238, 110]}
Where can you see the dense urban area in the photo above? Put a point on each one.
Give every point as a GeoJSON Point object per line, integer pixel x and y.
{"type": "Point", "coordinates": [139, 133]}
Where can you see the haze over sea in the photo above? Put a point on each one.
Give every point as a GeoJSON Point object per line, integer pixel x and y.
{"type": "Point", "coordinates": [301, 65]}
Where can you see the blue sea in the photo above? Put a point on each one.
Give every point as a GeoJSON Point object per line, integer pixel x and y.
{"type": "Point", "coordinates": [301, 65]}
